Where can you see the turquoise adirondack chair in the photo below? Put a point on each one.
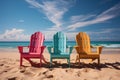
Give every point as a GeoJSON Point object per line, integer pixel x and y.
{"type": "Point", "coordinates": [59, 48]}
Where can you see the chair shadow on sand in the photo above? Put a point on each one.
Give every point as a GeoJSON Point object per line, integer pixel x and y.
{"type": "Point", "coordinates": [115, 65]}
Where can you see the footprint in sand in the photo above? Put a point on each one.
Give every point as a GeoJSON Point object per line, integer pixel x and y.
{"type": "Point", "coordinates": [12, 78]}
{"type": "Point", "coordinates": [69, 70]}
{"type": "Point", "coordinates": [22, 70]}
{"type": "Point", "coordinates": [47, 74]}
{"type": "Point", "coordinates": [29, 73]}
{"type": "Point", "coordinates": [7, 69]}
{"type": "Point", "coordinates": [86, 70]}
{"type": "Point", "coordinates": [1, 64]}
{"type": "Point", "coordinates": [78, 73]}
{"type": "Point", "coordinates": [3, 61]}
{"type": "Point", "coordinates": [47, 77]}
{"type": "Point", "coordinates": [1, 72]}
{"type": "Point", "coordinates": [42, 73]}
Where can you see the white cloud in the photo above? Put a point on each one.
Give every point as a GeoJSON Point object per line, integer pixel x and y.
{"type": "Point", "coordinates": [105, 31]}
{"type": "Point", "coordinates": [106, 15]}
{"type": "Point", "coordinates": [76, 25]}
{"type": "Point", "coordinates": [34, 3]}
{"type": "Point", "coordinates": [71, 35]}
{"type": "Point", "coordinates": [49, 35]}
{"type": "Point", "coordinates": [80, 18]}
{"type": "Point", "coordinates": [14, 35]}
{"type": "Point", "coordinates": [113, 11]}
{"type": "Point", "coordinates": [54, 10]}
{"type": "Point", "coordinates": [53, 13]}
{"type": "Point", "coordinates": [105, 34]}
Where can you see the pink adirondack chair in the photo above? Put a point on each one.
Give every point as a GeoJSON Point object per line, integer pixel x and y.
{"type": "Point", "coordinates": [36, 49]}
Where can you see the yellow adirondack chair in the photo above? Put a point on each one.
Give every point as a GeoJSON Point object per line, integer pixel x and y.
{"type": "Point", "coordinates": [83, 48]}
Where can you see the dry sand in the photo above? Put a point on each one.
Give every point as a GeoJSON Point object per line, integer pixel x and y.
{"type": "Point", "coordinates": [109, 68]}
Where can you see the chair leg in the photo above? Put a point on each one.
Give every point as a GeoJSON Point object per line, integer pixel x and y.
{"type": "Point", "coordinates": [99, 61]}
{"type": "Point", "coordinates": [40, 62]}
{"type": "Point", "coordinates": [20, 61]}
{"type": "Point", "coordinates": [50, 62]}
{"type": "Point", "coordinates": [43, 58]}
{"type": "Point", "coordinates": [79, 59]}
{"type": "Point", "coordinates": [68, 60]}
{"type": "Point", "coordinates": [76, 59]}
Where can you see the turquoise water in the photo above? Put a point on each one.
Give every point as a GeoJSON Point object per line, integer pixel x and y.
{"type": "Point", "coordinates": [14, 44]}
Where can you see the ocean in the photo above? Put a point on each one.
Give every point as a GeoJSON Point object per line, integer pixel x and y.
{"type": "Point", "coordinates": [14, 44]}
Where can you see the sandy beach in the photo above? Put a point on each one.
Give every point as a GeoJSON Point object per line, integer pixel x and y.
{"type": "Point", "coordinates": [109, 68]}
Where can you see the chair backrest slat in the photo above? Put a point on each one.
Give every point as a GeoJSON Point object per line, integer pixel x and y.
{"type": "Point", "coordinates": [36, 41]}
{"type": "Point", "coordinates": [83, 41]}
{"type": "Point", "coordinates": [59, 43]}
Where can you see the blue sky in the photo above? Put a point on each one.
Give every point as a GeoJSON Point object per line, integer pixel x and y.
{"type": "Point", "coordinates": [20, 18]}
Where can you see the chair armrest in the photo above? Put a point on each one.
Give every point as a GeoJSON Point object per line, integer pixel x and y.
{"type": "Point", "coordinates": [70, 49]}
{"type": "Point", "coordinates": [49, 49]}
{"type": "Point", "coordinates": [99, 49]}
{"type": "Point", "coordinates": [42, 48]}
{"type": "Point", "coordinates": [20, 48]}
{"type": "Point", "coordinates": [91, 46]}
{"type": "Point", "coordinates": [77, 47]}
